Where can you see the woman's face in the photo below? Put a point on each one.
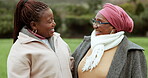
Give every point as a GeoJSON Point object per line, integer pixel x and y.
{"type": "Point", "coordinates": [45, 27]}
{"type": "Point", "coordinates": [102, 29]}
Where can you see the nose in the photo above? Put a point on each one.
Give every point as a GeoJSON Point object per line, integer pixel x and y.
{"type": "Point", "coordinates": [95, 26]}
{"type": "Point", "coordinates": [53, 23]}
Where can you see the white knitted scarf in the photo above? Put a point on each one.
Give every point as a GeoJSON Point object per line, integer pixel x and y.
{"type": "Point", "coordinates": [98, 45]}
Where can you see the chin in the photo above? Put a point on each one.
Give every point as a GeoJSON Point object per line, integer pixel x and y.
{"type": "Point", "coordinates": [50, 35]}
{"type": "Point", "coordinates": [98, 34]}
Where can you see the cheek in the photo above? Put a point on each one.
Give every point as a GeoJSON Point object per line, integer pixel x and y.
{"type": "Point", "coordinates": [44, 29]}
{"type": "Point", "coordinates": [47, 26]}
{"type": "Point", "coordinates": [105, 29]}
{"type": "Point", "coordinates": [102, 29]}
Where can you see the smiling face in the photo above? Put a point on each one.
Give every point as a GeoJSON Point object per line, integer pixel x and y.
{"type": "Point", "coordinates": [45, 26]}
{"type": "Point", "coordinates": [102, 29]}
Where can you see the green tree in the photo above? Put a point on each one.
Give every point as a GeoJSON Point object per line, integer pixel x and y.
{"type": "Point", "coordinates": [128, 7]}
{"type": "Point", "coordinates": [93, 5]}
{"type": "Point", "coordinates": [6, 19]}
{"type": "Point", "coordinates": [139, 9]}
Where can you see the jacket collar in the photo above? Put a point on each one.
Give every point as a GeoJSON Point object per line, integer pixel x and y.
{"type": "Point", "coordinates": [25, 36]}
{"type": "Point", "coordinates": [120, 57]}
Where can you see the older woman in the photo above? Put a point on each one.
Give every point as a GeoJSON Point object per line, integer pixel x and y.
{"type": "Point", "coordinates": [107, 53]}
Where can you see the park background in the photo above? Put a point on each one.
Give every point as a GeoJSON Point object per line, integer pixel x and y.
{"type": "Point", "coordinates": [72, 19]}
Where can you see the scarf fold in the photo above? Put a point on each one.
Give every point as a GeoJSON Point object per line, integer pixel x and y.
{"type": "Point", "coordinates": [99, 44]}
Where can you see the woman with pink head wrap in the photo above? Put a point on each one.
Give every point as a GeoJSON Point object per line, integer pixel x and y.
{"type": "Point", "coordinates": [108, 53]}
{"type": "Point", "coordinates": [117, 17]}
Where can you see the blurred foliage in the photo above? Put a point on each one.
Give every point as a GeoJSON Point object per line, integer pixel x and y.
{"type": "Point", "coordinates": [128, 7]}
{"type": "Point", "coordinates": [73, 20]}
{"type": "Point", "coordinates": [133, 1]}
{"type": "Point", "coordinates": [77, 26]}
{"type": "Point", "coordinates": [57, 19]}
{"type": "Point", "coordinates": [93, 5]}
{"type": "Point", "coordinates": [140, 24]}
{"type": "Point", "coordinates": [6, 17]}
{"type": "Point", "coordinates": [144, 17]}
{"type": "Point", "coordinates": [139, 9]}
{"type": "Point", "coordinates": [137, 25]}
{"type": "Point", "coordinates": [76, 10]}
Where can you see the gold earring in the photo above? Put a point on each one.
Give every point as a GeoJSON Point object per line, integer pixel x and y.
{"type": "Point", "coordinates": [35, 31]}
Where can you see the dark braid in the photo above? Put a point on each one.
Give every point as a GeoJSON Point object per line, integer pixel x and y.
{"type": "Point", "coordinates": [25, 13]}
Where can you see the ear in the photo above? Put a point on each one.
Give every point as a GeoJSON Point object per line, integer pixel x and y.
{"type": "Point", "coordinates": [114, 30]}
{"type": "Point", "coordinates": [33, 25]}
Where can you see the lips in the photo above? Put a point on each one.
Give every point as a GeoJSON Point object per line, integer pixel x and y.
{"type": "Point", "coordinates": [52, 30]}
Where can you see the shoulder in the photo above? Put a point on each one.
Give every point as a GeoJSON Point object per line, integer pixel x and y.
{"type": "Point", "coordinates": [129, 45]}
{"type": "Point", "coordinates": [87, 38]}
{"type": "Point", "coordinates": [83, 46]}
{"type": "Point", "coordinates": [56, 34]}
{"type": "Point", "coordinates": [59, 39]}
{"type": "Point", "coordinates": [86, 41]}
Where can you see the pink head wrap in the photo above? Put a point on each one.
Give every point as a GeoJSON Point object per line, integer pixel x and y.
{"type": "Point", "coordinates": [117, 17]}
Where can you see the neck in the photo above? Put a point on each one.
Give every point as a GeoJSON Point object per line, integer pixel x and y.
{"type": "Point", "coordinates": [37, 35]}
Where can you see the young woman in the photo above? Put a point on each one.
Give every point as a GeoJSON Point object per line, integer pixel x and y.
{"type": "Point", "coordinates": [38, 51]}
{"type": "Point", "coordinates": [107, 53]}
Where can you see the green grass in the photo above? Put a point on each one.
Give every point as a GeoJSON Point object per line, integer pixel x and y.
{"type": "Point", "coordinates": [5, 45]}
{"type": "Point", "coordinates": [73, 43]}
{"type": "Point", "coordinates": [142, 41]}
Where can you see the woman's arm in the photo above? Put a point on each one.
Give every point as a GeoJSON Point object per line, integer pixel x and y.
{"type": "Point", "coordinates": [139, 69]}
{"type": "Point", "coordinates": [17, 68]}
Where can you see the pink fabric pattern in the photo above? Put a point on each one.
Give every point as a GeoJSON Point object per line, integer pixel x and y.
{"type": "Point", "coordinates": [37, 35]}
{"type": "Point", "coordinates": [117, 17]}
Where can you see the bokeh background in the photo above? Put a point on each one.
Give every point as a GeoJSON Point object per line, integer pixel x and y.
{"type": "Point", "coordinates": [73, 16]}
{"type": "Point", "coordinates": [72, 19]}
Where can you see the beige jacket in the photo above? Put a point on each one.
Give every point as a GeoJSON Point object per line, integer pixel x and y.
{"type": "Point", "coordinates": [31, 58]}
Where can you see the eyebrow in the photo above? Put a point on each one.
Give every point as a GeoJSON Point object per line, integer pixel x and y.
{"type": "Point", "coordinates": [98, 19]}
{"type": "Point", "coordinates": [50, 18]}
{"type": "Point", "coordinates": [101, 19]}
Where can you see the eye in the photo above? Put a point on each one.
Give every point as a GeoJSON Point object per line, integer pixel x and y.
{"type": "Point", "coordinates": [50, 20]}
{"type": "Point", "coordinates": [99, 22]}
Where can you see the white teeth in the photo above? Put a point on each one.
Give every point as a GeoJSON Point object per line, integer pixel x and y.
{"type": "Point", "coordinates": [52, 29]}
